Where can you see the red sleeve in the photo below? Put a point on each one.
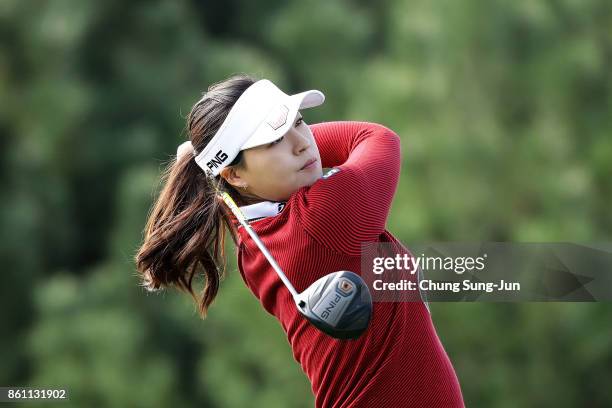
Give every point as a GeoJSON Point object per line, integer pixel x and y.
{"type": "Point", "coordinates": [351, 206]}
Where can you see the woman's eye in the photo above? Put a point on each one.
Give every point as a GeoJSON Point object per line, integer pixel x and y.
{"type": "Point", "coordinates": [277, 141]}
{"type": "Point", "coordinates": [299, 122]}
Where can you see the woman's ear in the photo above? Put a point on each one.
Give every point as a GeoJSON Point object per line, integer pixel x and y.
{"type": "Point", "coordinates": [232, 176]}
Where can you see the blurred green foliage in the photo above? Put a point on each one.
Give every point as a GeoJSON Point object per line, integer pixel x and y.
{"type": "Point", "coordinates": [505, 114]}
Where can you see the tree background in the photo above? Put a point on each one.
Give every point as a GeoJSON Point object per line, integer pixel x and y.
{"type": "Point", "coordinates": [504, 110]}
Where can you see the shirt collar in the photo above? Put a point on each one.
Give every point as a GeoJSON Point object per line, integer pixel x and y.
{"type": "Point", "coordinates": [257, 211]}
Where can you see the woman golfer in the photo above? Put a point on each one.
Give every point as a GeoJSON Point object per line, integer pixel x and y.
{"type": "Point", "coordinates": [248, 138]}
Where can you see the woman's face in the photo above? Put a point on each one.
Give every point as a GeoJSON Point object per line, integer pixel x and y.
{"type": "Point", "coordinates": [276, 170]}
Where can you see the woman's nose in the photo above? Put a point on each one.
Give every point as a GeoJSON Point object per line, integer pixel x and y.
{"type": "Point", "coordinates": [301, 143]}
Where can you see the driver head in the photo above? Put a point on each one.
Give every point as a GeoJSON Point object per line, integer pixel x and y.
{"type": "Point", "coordinates": [339, 304]}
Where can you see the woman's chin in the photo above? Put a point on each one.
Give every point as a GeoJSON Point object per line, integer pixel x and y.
{"type": "Point", "coordinates": [314, 176]}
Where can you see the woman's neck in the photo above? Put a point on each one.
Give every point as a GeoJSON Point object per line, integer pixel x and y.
{"type": "Point", "coordinates": [248, 199]}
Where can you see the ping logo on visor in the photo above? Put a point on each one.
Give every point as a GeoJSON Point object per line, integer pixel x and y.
{"type": "Point", "coordinates": [218, 160]}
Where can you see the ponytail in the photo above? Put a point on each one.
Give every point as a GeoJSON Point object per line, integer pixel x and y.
{"type": "Point", "coordinates": [185, 232]}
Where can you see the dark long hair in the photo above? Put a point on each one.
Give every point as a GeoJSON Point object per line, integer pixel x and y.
{"type": "Point", "coordinates": [185, 234]}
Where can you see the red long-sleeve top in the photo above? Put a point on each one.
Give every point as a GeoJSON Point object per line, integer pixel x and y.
{"type": "Point", "coordinates": [399, 360]}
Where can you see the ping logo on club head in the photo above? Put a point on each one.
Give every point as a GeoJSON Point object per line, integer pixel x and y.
{"type": "Point", "coordinates": [330, 306]}
{"type": "Point", "coordinates": [278, 117]}
{"type": "Point", "coordinates": [220, 157]}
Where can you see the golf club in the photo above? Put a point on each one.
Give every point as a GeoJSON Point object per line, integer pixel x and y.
{"type": "Point", "coordinates": [339, 304]}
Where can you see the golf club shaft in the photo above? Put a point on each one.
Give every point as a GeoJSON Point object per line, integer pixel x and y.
{"type": "Point", "coordinates": [232, 205]}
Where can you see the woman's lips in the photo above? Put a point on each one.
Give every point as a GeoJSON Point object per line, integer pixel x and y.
{"type": "Point", "coordinates": [309, 164]}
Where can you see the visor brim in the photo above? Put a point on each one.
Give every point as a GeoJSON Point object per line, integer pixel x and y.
{"type": "Point", "coordinates": [272, 129]}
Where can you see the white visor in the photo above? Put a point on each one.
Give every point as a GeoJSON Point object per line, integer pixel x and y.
{"type": "Point", "coordinates": [261, 115]}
